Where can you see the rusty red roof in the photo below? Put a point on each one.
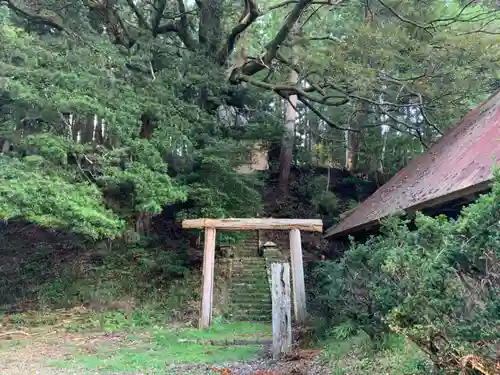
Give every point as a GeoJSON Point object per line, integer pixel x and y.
{"type": "Point", "coordinates": [458, 164]}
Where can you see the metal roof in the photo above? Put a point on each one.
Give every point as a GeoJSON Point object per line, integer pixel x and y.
{"type": "Point", "coordinates": [458, 164]}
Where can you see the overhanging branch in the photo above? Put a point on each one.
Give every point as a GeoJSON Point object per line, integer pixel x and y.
{"type": "Point", "coordinates": [251, 13]}
{"type": "Point", "coordinates": [288, 90]}
{"type": "Point", "coordinates": [254, 66]}
{"type": "Point", "coordinates": [140, 17]}
{"type": "Point", "coordinates": [40, 15]}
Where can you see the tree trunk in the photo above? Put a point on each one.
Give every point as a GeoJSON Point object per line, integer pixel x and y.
{"type": "Point", "coordinates": [354, 138]}
{"type": "Point", "coordinates": [384, 147]}
{"type": "Point", "coordinates": [286, 155]}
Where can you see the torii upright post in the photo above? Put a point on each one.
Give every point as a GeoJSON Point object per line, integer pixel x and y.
{"type": "Point", "coordinates": [294, 225]}
{"type": "Point", "coordinates": [208, 279]}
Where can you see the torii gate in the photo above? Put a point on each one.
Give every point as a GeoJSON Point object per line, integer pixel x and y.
{"type": "Point", "coordinates": [293, 225]}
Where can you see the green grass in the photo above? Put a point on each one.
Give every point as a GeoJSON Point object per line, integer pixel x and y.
{"type": "Point", "coordinates": [358, 355]}
{"type": "Point", "coordinates": [156, 350]}
{"type": "Point", "coordinates": [232, 331]}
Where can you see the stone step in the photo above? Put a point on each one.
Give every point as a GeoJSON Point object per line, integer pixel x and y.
{"type": "Point", "coordinates": [250, 271]}
{"type": "Point", "coordinates": [250, 298]}
{"type": "Point", "coordinates": [241, 267]}
{"type": "Point", "coordinates": [252, 311]}
{"type": "Point", "coordinates": [257, 272]}
{"type": "Point", "coordinates": [255, 296]}
{"type": "Point", "coordinates": [260, 291]}
{"type": "Point", "coordinates": [249, 293]}
{"type": "Point", "coordinates": [249, 309]}
{"type": "Point", "coordinates": [249, 259]}
{"type": "Point", "coordinates": [250, 266]}
{"type": "Point", "coordinates": [277, 260]}
{"type": "Point", "coordinates": [252, 314]}
{"type": "Point", "coordinates": [260, 285]}
{"type": "Point", "coordinates": [257, 293]}
{"type": "Point", "coordinates": [260, 268]}
{"type": "Point", "coordinates": [263, 318]}
{"type": "Point", "coordinates": [250, 277]}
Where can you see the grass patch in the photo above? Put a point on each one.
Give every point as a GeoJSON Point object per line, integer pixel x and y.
{"type": "Point", "coordinates": [232, 331]}
{"type": "Point", "coordinates": [155, 351]}
{"type": "Point", "coordinates": [361, 356]}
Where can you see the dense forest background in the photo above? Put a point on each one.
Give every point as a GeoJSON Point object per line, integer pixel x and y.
{"type": "Point", "coordinates": [119, 118]}
{"type": "Point", "coordinates": [115, 110]}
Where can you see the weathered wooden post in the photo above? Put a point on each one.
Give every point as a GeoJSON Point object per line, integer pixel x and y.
{"type": "Point", "coordinates": [208, 279]}
{"type": "Point", "coordinates": [282, 316]}
{"type": "Point", "coordinates": [299, 288]}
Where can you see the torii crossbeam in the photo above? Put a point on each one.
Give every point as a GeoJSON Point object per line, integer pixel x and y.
{"type": "Point", "coordinates": [293, 225]}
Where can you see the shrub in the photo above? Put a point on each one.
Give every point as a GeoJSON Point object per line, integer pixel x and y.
{"type": "Point", "coordinates": [437, 284]}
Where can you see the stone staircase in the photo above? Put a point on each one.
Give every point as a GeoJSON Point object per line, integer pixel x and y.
{"type": "Point", "coordinates": [249, 283]}
{"type": "Point", "coordinates": [249, 292]}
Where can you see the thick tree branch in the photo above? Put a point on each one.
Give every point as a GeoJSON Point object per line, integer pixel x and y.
{"type": "Point", "coordinates": [156, 19]}
{"type": "Point", "coordinates": [110, 17]}
{"type": "Point", "coordinates": [166, 28]}
{"type": "Point", "coordinates": [290, 2]}
{"type": "Point", "coordinates": [140, 17]}
{"type": "Point", "coordinates": [455, 17]}
{"type": "Point", "coordinates": [251, 13]}
{"type": "Point", "coordinates": [323, 117]}
{"type": "Point", "coordinates": [287, 90]}
{"type": "Point", "coordinates": [254, 66]}
{"type": "Point", "coordinates": [39, 15]}
{"type": "Point", "coordinates": [183, 24]}
{"type": "Point", "coordinates": [404, 19]}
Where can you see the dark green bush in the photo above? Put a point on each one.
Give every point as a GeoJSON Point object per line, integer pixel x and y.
{"type": "Point", "coordinates": [438, 284]}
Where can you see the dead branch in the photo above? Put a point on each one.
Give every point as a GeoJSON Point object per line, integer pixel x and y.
{"type": "Point", "coordinates": [12, 333]}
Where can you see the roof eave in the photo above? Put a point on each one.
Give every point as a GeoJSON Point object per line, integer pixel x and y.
{"type": "Point", "coordinates": [335, 232]}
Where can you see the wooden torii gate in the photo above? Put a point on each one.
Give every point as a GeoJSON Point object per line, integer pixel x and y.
{"type": "Point", "coordinates": [293, 225]}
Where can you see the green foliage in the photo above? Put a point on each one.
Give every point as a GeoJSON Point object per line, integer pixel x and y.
{"type": "Point", "coordinates": [322, 200]}
{"type": "Point", "coordinates": [358, 355]}
{"type": "Point", "coordinates": [437, 284]}
{"type": "Point", "coordinates": [74, 113]}
{"type": "Point", "coordinates": [148, 117]}
{"type": "Point", "coordinates": [217, 189]}
{"type": "Point", "coordinates": [47, 198]}
{"type": "Point", "coordinates": [138, 175]}
{"type": "Point", "coordinates": [426, 72]}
